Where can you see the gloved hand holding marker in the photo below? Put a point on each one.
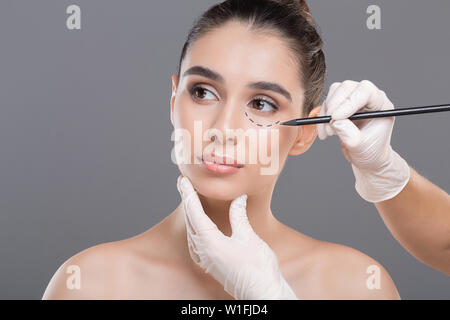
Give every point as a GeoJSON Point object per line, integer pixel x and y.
{"type": "Point", "coordinates": [380, 172]}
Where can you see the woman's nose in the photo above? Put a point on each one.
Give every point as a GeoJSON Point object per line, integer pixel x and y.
{"type": "Point", "coordinates": [227, 121]}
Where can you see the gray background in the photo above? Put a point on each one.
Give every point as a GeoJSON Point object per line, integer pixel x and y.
{"type": "Point", "coordinates": [85, 131]}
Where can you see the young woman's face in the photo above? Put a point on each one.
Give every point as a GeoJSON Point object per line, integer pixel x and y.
{"type": "Point", "coordinates": [213, 107]}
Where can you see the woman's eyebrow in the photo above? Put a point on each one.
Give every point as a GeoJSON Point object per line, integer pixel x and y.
{"type": "Point", "coordinates": [260, 85]}
{"type": "Point", "coordinates": [264, 85]}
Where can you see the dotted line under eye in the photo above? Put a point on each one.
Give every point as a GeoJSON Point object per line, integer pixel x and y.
{"type": "Point", "coordinates": [258, 124]}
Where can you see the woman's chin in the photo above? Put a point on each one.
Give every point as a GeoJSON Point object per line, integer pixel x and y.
{"type": "Point", "coordinates": [220, 197]}
{"type": "Point", "coordinates": [226, 187]}
{"type": "Point", "coordinates": [221, 193]}
{"type": "Point", "coordinates": [217, 188]}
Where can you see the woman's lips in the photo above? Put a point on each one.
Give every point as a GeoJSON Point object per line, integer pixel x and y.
{"type": "Point", "coordinates": [220, 165]}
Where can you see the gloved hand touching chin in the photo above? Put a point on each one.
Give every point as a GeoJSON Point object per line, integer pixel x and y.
{"type": "Point", "coordinates": [380, 172]}
{"type": "Point", "coordinates": [243, 263]}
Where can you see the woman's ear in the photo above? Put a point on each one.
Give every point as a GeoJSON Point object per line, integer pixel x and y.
{"type": "Point", "coordinates": [172, 99]}
{"type": "Point", "coordinates": [306, 135]}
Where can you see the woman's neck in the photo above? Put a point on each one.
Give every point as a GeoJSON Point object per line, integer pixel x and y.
{"type": "Point", "coordinates": [258, 213]}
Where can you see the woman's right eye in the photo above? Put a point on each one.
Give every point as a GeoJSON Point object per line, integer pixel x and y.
{"type": "Point", "coordinates": [199, 93]}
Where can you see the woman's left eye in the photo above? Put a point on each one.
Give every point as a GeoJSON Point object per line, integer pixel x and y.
{"type": "Point", "coordinates": [269, 106]}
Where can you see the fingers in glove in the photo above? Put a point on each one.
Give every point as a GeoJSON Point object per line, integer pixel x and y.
{"type": "Point", "coordinates": [336, 96]}
{"type": "Point", "coordinates": [321, 126]}
{"type": "Point", "coordinates": [321, 133]}
{"type": "Point", "coordinates": [366, 95]}
{"type": "Point", "coordinates": [196, 216]}
{"type": "Point", "coordinates": [188, 224]}
{"type": "Point", "coordinates": [193, 252]}
{"type": "Point", "coordinates": [240, 225]}
{"type": "Point", "coordinates": [340, 96]}
{"type": "Point", "coordinates": [349, 134]}
{"type": "Point", "coordinates": [324, 130]}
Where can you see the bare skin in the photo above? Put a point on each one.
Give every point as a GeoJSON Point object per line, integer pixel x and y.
{"type": "Point", "coordinates": [153, 265]}
{"type": "Point", "coordinates": [156, 264]}
{"type": "Point", "coordinates": [419, 219]}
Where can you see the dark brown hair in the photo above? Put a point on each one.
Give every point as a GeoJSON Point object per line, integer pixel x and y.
{"type": "Point", "coordinates": [289, 18]}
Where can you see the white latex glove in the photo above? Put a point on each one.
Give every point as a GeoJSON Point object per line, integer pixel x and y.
{"type": "Point", "coordinates": [243, 263]}
{"type": "Point", "coordinates": [380, 172]}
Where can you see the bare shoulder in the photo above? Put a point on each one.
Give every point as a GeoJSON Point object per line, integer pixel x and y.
{"type": "Point", "coordinates": [318, 269]}
{"type": "Point", "coordinates": [348, 273]}
{"type": "Point", "coordinates": [92, 273]}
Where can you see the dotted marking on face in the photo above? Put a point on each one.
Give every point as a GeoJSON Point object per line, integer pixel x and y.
{"type": "Point", "coordinates": [258, 124]}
